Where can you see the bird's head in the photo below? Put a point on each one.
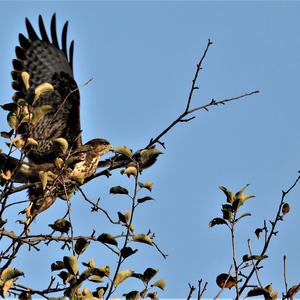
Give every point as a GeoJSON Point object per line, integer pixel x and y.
{"type": "Point", "coordinates": [101, 146]}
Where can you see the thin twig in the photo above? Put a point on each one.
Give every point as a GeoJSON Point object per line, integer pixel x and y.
{"type": "Point", "coordinates": [188, 111]}
{"type": "Point", "coordinates": [224, 285]}
{"type": "Point", "coordinates": [133, 197]}
{"type": "Point", "coordinates": [236, 267]}
{"type": "Point", "coordinates": [271, 233]}
{"type": "Point", "coordinates": [201, 291]}
{"type": "Point", "coordinates": [191, 291]}
{"type": "Point", "coordinates": [96, 207]}
{"type": "Point", "coordinates": [199, 67]}
{"type": "Point", "coordinates": [157, 248]}
{"type": "Point", "coordinates": [284, 275]}
{"type": "Point", "coordinates": [253, 264]}
{"type": "Point", "coordinates": [181, 117]}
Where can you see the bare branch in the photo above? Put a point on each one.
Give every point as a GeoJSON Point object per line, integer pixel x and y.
{"type": "Point", "coordinates": [284, 275]}
{"type": "Point", "coordinates": [191, 291]}
{"type": "Point", "coordinates": [199, 67]}
{"type": "Point", "coordinates": [271, 233]}
{"type": "Point", "coordinates": [201, 291]}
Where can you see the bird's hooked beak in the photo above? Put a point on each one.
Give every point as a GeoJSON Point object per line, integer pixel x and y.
{"type": "Point", "coordinates": [106, 148]}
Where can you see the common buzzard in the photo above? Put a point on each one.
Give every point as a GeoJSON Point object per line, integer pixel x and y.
{"type": "Point", "coordinates": [45, 115]}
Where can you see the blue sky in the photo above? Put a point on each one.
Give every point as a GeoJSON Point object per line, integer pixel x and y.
{"type": "Point", "coordinates": [142, 56]}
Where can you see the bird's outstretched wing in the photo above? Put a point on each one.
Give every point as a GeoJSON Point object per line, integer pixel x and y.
{"type": "Point", "coordinates": [57, 112]}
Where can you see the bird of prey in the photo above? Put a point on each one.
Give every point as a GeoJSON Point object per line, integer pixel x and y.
{"type": "Point", "coordinates": [45, 116]}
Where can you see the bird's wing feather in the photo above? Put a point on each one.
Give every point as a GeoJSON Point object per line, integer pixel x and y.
{"type": "Point", "coordinates": [45, 61]}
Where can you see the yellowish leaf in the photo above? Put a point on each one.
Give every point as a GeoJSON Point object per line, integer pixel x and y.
{"type": "Point", "coordinates": [121, 276]}
{"type": "Point", "coordinates": [123, 150]}
{"type": "Point", "coordinates": [105, 270]}
{"type": "Point", "coordinates": [62, 143]}
{"type": "Point", "coordinates": [160, 284]}
{"type": "Point", "coordinates": [12, 120]}
{"type": "Point", "coordinates": [10, 273]}
{"type": "Point", "coordinates": [71, 264]}
{"type": "Point", "coordinates": [142, 238]}
{"type": "Point", "coordinates": [58, 162]}
{"type": "Point", "coordinates": [127, 215]}
{"type": "Point", "coordinates": [31, 142]}
{"type": "Point", "coordinates": [18, 142]}
{"type": "Point", "coordinates": [6, 174]}
{"type": "Point", "coordinates": [130, 171]}
{"type": "Point", "coordinates": [25, 77]}
{"type": "Point", "coordinates": [41, 89]}
{"type": "Point", "coordinates": [44, 179]}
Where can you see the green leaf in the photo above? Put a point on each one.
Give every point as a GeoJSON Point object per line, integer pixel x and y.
{"type": "Point", "coordinates": [149, 273]}
{"type": "Point", "coordinates": [100, 291]}
{"type": "Point", "coordinates": [257, 291]}
{"type": "Point", "coordinates": [123, 150]}
{"type": "Point", "coordinates": [96, 278]}
{"type": "Point", "coordinates": [105, 270]}
{"type": "Point", "coordinates": [107, 238]}
{"type": "Point", "coordinates": [227, 211]}
{"type": "Point", "coordinates": [240, 198]}
{"type": "Point", "coordinates": [12, 120]}
{"type": "Point", "coordinates": [130, 171]}
{"type": "Point", "coordinates": [127, 251]}
{"type": "Point", "coordinates": [138, 276]}
{"type": "Point", "coordinates": [44, 179]}
{"type": "Point", "coordinates": [2, 222]}
{"type": "Point", "coordinates": [118, 190]}
{"type": "Point", "coordinates": [10, 273]}
{"type": "Point", "coordinates": [91, 263]}
{"type": "Point", "coordinates": [217, 221]}
{"type": "Point", "coordinates": [243, 216]}
{"type": "Point", "coordinates": [147, 185]}
{"type": "Point", "coordinates": [9, 106]}
{"type": "Point", "coordinates": [149, 155]}
{"type": "Point", "coordinates": [62, 144]}
{"type": "Point", "coordinates": [71, 264]}
{"type": "Point", "coordinates": [58, 265]}
{"type": "Point", "coordinates": [258, 231]}
{"type": "Point", "coordinates": [18, 142]}
{"type": "Point", "coordinates": [160, 284]}
{"type": "Point", "coordinates": [247, 257]}
{"type": "Point", "coordinates": [81, 245]}
{"type": "Point", "coordinates": [65, 276]}
{"type": "Point", "coordinates": [133, 295]}
{"type": "Point", "coordinates": [122, 276]}
{"type": "Point", "coordinates": [44, 87]}
{"type": "Point", "coordinates": [122, 218]}
{"type": "Point", "coordinates": [85, 275]}
{"type": "Point", "coordinates": [96, 272]}
{"type": "Point", "coordinates": [229, 194]}
{"type": "Point", "coordinates": [7, 135]}
{"type": "Point", "coordinates": [142, 238]}
{"type": "Point", "coordinates": [61, 225]}
{"type": "Point", "coordinates": [144, 199]}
